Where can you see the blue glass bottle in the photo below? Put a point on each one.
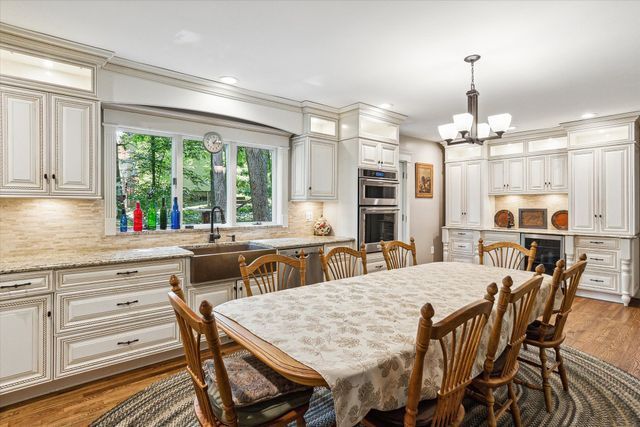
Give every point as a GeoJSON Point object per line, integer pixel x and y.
{"type": "Point", "coordinates": [175, 215]}
{"type": "Point", "coordinates": [123, 221]}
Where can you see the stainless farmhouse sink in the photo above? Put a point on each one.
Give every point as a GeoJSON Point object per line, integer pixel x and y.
{"type": "Point", "coordinates": [220, 261]}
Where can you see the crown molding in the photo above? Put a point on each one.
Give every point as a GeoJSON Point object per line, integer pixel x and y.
{"type": "Point", "coordinates": [310, 107]}
{"type": "Point", "coordinates": [372, 111]}
{"type": "Point", "coordinates": [46, 45]}
{"type": "Point", "coordinates": [198, 84]}
{"type": "Point", "coordinates": [524, 135]}
{"type": "Point", "coordinates": [614, 119]}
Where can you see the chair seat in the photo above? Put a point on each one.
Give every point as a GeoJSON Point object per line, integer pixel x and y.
{"type": "Point", "coordinates": [534, 331]}
{"type": "Point", "coordinates": [259, 393]}
{"type": "Point", "coordinates": [426, 411]}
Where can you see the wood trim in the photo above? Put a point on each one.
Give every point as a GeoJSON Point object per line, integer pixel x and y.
{"type": "Point", "coordinates": [270, 355]}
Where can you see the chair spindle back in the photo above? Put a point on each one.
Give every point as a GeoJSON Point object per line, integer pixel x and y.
{"type": "Point", "coordinates": [343, 262]}
{"type": "Point", "coordinates": [396, 253]}
{"type": "Point", "coordinates": [508, 255]}
{"type": "Point", "coordinates": [271, 273]}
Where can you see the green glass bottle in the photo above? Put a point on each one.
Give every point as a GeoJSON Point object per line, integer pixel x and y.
{"type": "Point", "coordinates": [163, 215]}
{"type": "Point", "coordinates": [152, 215]}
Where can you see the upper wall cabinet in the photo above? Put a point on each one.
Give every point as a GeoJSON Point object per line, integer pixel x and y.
{"type": "Point", "coordinates": [314, 174]}
{"type": "Point", "coordinates": [359, 124]}
{"type": "Point", "coordinates": [507, 176]}
{"type": "Point", "coordinates": [546, 174]}
{"type": "Point", "coordinates": [378, 155]}
{"type": "Point", "coordinates": [49, 145]}
{"type": "Point", "coordinates": [324, 127]}
{"type": "Point", "coordinates": [464, 193]}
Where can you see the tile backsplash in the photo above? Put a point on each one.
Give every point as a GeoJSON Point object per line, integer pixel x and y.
{"type": "Point", "coordinates": [550, 202]}
{"type": "Point", "coordinates": [30, 226]}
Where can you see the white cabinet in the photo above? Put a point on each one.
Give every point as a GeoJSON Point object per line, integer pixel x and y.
{"type": "Point", "coordinates": [42, 155]}
{"type": "Point", "coordinates": [464, 193]}
{"type": "Point", "coordinates": [378, 155]}
{"type": "Point", "coordinates": [314, 169]}
{"type": "Point", "coordinates": [74, 155]}
{"type": "Point", "coordinates": [506, 176]}
{"type": "Point", "coordinates": [25, 342]}
{"type": "Point", "coordinates": [547, 173]}
{"type": "Point", "coordinates": [23, 155]}
{"type": "Point", "coordinates": [601, 191]}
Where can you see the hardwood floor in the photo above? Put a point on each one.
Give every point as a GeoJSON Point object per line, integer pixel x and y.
{"type": "Point", "coordinates": [608, 331]}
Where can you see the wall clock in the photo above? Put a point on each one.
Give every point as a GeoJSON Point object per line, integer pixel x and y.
{"type": "Point", "coordinates": [212, 142]}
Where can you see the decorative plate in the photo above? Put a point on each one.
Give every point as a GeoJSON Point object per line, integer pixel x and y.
{"type": "Point", "coordinates": [560, 220]}
{"type": "Point", "coordinates": [504, 219]}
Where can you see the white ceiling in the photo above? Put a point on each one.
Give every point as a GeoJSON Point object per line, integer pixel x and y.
{"type": "Point", "coordinates": [544, 62]}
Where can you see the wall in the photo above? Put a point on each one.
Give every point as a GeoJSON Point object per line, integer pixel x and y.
{"type": "Point", "coordinates": [551, 202]}
{"type": "Point", "coordinates": [31, 226]}
{"type": "Point", "coordinates": [426, 216]}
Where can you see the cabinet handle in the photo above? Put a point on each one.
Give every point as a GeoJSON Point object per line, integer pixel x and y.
{"type": "Point", "coordinates": [462, 234]}
{"type": "Point", "coordinates": [595, 242]}
{"type": "Point", "coordinates": [127, 303]}
{"type": "Point", "coordinates": [378, 267]}
{"type": "Point", "coordinates": [54, 177]}
{"type": "Point", "coordinates": [597, 259]}
{"type": "Point", "coordinates": [120, 273]}
{"type": "Point", "coordinates": [461, 246]}
{"type": "Point", "coordinates": [128, 342]}
{"type": "Point", "coordinates": [46, 177]}
{"type": "Point", "coordinates": [596, 280]}
{"type": "Point", "coordinates": [16, 286]}
{"type": "Point", "coordinates": [600, 216]}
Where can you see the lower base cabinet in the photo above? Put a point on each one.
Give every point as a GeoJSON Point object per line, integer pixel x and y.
{"type": "Point", "coordinates": [25, 342]}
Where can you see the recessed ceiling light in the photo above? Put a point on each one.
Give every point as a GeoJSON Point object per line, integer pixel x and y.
{"type": "Point", "coordinates": [589, 115]}
{"type": "Point", "coordinates": [229, 80]}
{"type": "Point", "coordinates": [385, 105]}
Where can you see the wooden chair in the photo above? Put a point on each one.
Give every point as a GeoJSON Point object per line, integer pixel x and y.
{"type": "Point", "coordinates": [271, 273]}
{"type": "Point", "coordinates": [343, 262]}
{"type": "Point", "coordinates": [459, 336]}
{"type": "Point", "coordinates": [508, 255]}
{"type": "Point", "coordinates": [396, 253]}
{"type": "Point", "coordinates": [216, 393]}
{"type": "Point", "coordinates": [497, 373]}
{"type": "Point", "coordinates": [549, 333]}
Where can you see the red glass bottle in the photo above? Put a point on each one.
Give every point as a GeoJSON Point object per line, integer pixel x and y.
{"type": "Point", "coordinates": [137, 218]}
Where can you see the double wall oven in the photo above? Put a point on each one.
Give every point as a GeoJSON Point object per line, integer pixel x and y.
{"type": "Point", "coordinates": [378, 207]}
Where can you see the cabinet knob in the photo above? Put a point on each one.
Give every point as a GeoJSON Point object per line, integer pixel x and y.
{"type": "Point", "coordinates": [54, 177]}
{"type": "Point", "coordinates": [309, 188]}
{"type": "Point", "coordinates": [46, 177]}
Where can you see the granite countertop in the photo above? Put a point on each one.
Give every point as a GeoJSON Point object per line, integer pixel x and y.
{"type": "Point", "coordinates": [61, 260]}
{"type": "Point", "coordinates": [300, 242]}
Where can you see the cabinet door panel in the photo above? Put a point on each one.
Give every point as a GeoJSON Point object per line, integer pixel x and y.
{"type": "Point", "coordinates": [515, 180]}
{"type": "Point", "coordinates": [582, 203]}
{"type": "Point", "coordinates": [23, 157]}
{"type": "Point", "coordinates": [322, 169]}
{"type": "Point", "coordinates": [389, 156]}
{"type": "Point", "coordinates": [25, 343]}
{"type": "Point", "coordinates": [614, 189]}
{"type": "Point", "coordinates": [74, 156]}
{"type": "Point", "coordinates": [455, 192]}
{"type": "Point", "coordinates": [298, 177]}
{"type": "Point", "coordinates": [497, 183]}
{"type": "Point", "coordinates": [369, 154]}
{"type": "Point", "coordinates": [558, 171]}
{"type": "Point", "coordinates": [536, 176]}
{"type": "Point", "coordinates": [473, 194]}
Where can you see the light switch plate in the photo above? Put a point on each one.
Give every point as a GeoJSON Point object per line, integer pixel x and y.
{"type": "Point", "coordinates": [433, 250]}
{"type": "Point", "coordinates": [309, 216]}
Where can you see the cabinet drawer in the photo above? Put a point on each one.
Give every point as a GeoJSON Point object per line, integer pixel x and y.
{"type": "Point", "coordinates": [22, 284]}
{"type": "Point", "coordinates": [599, 280]}
{"type": "Point", "coordinates": [461, 246]}
{"type": "Point", "coordinates": [461, 258]}
{"type": "Point", "coordinates": [461, 234]}
{"type": "Point", "coordinates": [88, 309]}
{"type": "Point", "coordinates": [601, 259]}
{"type": "Point", "coordinates": [597, 243]}
{"type": "Point", "coordinates": [84, 352]}
{"type": "Point", "coordinates": [376, 266]}
{"type": "Point", "coordinates": [111, 273]}
{"type": "Point", "coordinates": [490, 238]}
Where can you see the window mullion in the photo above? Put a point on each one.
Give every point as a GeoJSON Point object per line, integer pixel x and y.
{"type": "Point", "coordinates": [177, 171]}
{"type": "Point", "coordinates": [232, 170]}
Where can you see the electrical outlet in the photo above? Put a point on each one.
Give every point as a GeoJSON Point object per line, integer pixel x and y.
{"type": "Point", "coordinates": [433, 250]}
{"type": "Point", "coordinates": [309, 216]}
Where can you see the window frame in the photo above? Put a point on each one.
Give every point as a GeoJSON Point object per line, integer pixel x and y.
{"type": "Point", "coordinates": [278, 177]}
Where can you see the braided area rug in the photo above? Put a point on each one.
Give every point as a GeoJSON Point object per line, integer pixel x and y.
{"type": "Point", "coordinates": [599, 395]}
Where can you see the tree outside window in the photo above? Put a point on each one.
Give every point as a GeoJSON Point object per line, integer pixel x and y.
{"type": "Point", "coordinates": [254, 201]}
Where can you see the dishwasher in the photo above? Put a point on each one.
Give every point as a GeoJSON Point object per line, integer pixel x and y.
{"type": "Point", "coordinates": [314, 267]}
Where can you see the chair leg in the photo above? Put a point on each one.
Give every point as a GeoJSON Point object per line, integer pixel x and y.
{"type": "Point", "coordinates": [491, 416]}
{"type": "Point", "coordinates": [300, 422]}
{"type": "Point", "coordinates": [515, 409]}
{"type": "Point", "coordinates": [561, 369]}
{"type": "Point", "coordinates": [546, 387]}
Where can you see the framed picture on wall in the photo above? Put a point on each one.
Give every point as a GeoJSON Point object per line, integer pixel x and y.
{"type": "Point", "coordinates": [424, 180]}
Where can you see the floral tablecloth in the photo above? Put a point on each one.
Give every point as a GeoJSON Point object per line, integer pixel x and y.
{"type": "Point", "coordinates": [359, 333]}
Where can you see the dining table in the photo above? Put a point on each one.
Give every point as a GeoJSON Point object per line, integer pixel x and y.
{"type": "Point", "coordinates": [357, 336]}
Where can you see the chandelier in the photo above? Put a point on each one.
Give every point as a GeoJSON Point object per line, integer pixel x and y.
{"type": "Point", "coordinates": [465, 127]}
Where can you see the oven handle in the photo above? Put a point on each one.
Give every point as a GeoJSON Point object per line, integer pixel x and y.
{"type": "Point", "coordinates": [378, 210]}
{"type": "Point", "coordinates": [380, 183]}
